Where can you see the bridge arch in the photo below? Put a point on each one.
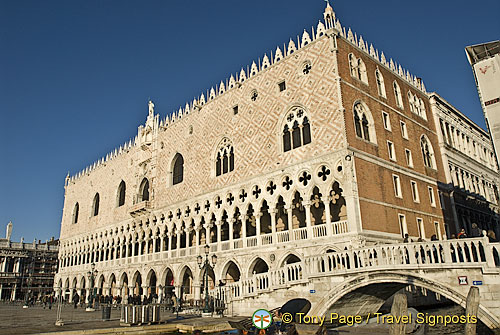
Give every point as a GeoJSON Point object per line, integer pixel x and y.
{"type": "Point", "coordinates": [356, 295]}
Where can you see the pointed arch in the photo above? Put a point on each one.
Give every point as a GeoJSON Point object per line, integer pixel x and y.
{"type": "Point", "coordinates": [363, 122]}
{"type": "Point", "coordinates": [177, 169]}
{"type": "Point", "coordinates": [120, 196]}
{"type": "Point", "coordinates": [95, 205]}
{"type": "Point", "coordinates": [397, 95]}
{"type": "Point", "coordinates": [76, 211]}
{"type": "Point", "coordinates": [258, 265]}
{"type": "Point", "coordinates": [144, 190]}
{"type": "Point", "coordinates": [296, 128]}
{"type": "Point", "coordinates": [380, 83]}
{"type": "Point", "coordinates": [231, 272]}
{"type": "Point", "coordinates": [224, 160]}
{"type": "Point", "coordinates": [427, 152]}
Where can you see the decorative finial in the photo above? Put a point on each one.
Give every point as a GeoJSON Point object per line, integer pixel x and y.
{"type": "Point", "coordinates": [151, 106]}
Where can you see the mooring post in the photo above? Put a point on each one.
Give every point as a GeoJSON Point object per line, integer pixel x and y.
{"type": "Point", "coordinates": [471, 308]}
{"type": "Point", "coordinates": [399, 309]}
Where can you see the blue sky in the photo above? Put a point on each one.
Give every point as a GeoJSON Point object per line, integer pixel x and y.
{"type": "Point", "coordinates": [75, 76]}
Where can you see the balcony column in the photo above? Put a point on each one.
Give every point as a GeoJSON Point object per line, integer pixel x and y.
{"type": "Point", "coordinates": [162, 241]}
{"type": "Point", "coordinates": [307, 206]}
{"type": "Point", "coordinates": [154, 244]}
{"type": "Point", "coordinates": [218, 223]}
{"type": "Point", "coordinates": [243, 219]}
{"type": "Point", "coordinates": [257, 227]}
{"type": "Point", "coordinates": [290, 219]}
{"type": "Point", "coordinates": [188, 232]}
{"type": "Point", "coordinates": [272, 213]}
{"type": "Point", "coordinates": [207, 234]}
{"type": "Point", "coordinates": [231, 220]}
{"type": "Point", "coordinates": [169, 234]}
{"type": "Point", "coordinates": [197, 228]}
{"type": "Point", "coordinates": [326, 201]}
{"type": "Point", "coordinates": [178, 243]}
{"type": "Point", "coordinates": [133, 247]}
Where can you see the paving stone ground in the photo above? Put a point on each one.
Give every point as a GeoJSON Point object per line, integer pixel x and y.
{"type": "Point", "coordinates": [15, 320]}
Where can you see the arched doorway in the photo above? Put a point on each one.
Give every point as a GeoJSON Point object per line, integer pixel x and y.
{"type": "Point", "coordinates": [187, 284]}
{"type": "Point", "coordinates": [137, 284]}
{"type": "Point", "coordinates": [258, 266]}
{"type": "Point", "coordinates": [152, 289]}
{"type": "Point", "coordinates": [169, 283]}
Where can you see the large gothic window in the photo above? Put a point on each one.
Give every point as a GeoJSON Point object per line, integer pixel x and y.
{"type": "Point", "coordinates": [225, 157]}
{"type": "Point", "coordinates": [427, 152]}
{"type": "Point", "coordinates": [75, 213]}
{"type": "Point", "coordinates": [178, 170]}
{"type": "Point", "coordinates": [95, 205]}
{"type": "Point", "coordinates": [121, 194]}
{"type": "Point", "coordinates": [297, 129]}
{"type": "Point", "coordinates": [363, 123]}
{"type": "Point", "coordinates": [144, 190]}
{"type": "Point", "coordinates": [357, 68]}
{"type": "Point", "coordinates": [397, 95]}
{"type": "Point", "coordinates": [380, 83]}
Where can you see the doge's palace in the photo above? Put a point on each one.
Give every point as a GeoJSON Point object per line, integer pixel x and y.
{"type": "Point", "coordinates": [322, 145]}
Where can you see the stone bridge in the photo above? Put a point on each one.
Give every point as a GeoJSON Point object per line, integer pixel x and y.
{"type": "Point", "coordinates": [358, 281]}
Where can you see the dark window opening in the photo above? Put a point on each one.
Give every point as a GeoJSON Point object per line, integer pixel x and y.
{"type": "Point", "coordinates": [178, 170]}
{"type": "Point", "coordinates": [282, 86]}
{"type": "Point", "coordinates": [235, 110]}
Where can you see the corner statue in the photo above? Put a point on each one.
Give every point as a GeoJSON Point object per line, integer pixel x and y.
{"type": "Point", "coordinates": [151, 107]}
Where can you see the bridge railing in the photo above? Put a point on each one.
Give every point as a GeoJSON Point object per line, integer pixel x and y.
{"type": "Point", "coordinates": [476, 251]}
{"type": "Point", "coordinates": [450, 253]}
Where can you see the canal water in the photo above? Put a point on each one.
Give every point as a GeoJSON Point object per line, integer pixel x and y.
{"type": "Point", "coordinates": [440, 329]}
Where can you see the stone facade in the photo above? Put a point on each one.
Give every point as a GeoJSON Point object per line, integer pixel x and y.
{"type": "Point", "coordinates": [471, 184]}
{"type": "Point", "coordinates": [289, 159]}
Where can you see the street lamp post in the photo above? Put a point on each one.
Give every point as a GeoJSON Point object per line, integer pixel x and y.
{"type": "Point", "coordinates": [207, 266]}
{"type": "Point", "coordinates": [91, 274]}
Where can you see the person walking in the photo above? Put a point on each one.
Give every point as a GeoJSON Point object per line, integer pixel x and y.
{"type": "Point", "coordinates": [76, 299]}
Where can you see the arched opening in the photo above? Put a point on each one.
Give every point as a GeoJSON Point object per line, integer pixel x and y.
{"type": "Point", "coordinates": [211, 279]}
{"type": "Point", "coordinates": [144, 190]}
{"type": "Point", "coordinates": [137, 284]}
{"type": "Point", "coordinates": [152, 290]}
{"type": "Point", "coordinates": [169, 284]}
{"type": "Point", "coordinates": [83, 291]}
{"type": "Point", "coordinates": [231, 274]}
{"type": "Point", "coordinates": [258, 266]}
{"type": "Point", "coordinates": [265, 219]}
{"type": "Point", "coordinates": [115, 292]}
{"type": "Point", "coordinates": [251, 222]}
{"type": "Point", "coordinates": [338, 211]}
{"type": "Point", "coordinates": [178, 169]}
{"type": "Point", "coordinates": [187, 285]}
{"type": "Point", "coordinates": [298, 212]}
{"type": "Point", "coordinates": [75, 213]}
{"type": "Point", "coordinates": [237, 225]}
{"type": "Point", "coordinates": [100, 285]}
{"type": "Point", "coordinates": [290, 259]}
{"type": "Point", "coordinates": [95, 205]}
{"type": "Point", "coordinates": [281, 215]}
{"type": "Point", "coordinates": [124, 287]}
{"type": "Point", "coordinates": [317, 208]}
{"type": "Point", "coordinates": [121, 194]}
{"type": "Point", "coordinates": [224, 227]}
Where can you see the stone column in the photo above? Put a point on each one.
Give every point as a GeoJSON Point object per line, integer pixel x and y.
{"type": "Point", "coordinates": [290, 224]}
{"type": "Point", "coordinates": [231, 222]}
{"type": "Point", "coordinates": [272, 213]}
{"type": "Point", "coordinates": [307, 206]}
{"type": "Point", "coordinates": [243, 219]}
{"type": "Point", "coordinates": [329, 229]}
{"type": "Point", "coordinates": [162, 241]}
{"type": "Point", "coordinates": [133, 248]}
{"type": "Point", "coordinates": [178, 236]}
{"type": "Point", "coordinates": [218, 223]}
{"type": "Point", "coordinates": [207, 234]}
{"type": "Point", "coordinates": [144, 290]}
{"type": "Point", "coordinates": [197, 231]}
{"type": "Point", "coordinates": [257, 227]}
{"type": "Point", "coordinates": [154, 244]}
{"type": "Point", "coordinates": [188, 232]}
{"type": "Point", "coordinates": [169, 234]}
